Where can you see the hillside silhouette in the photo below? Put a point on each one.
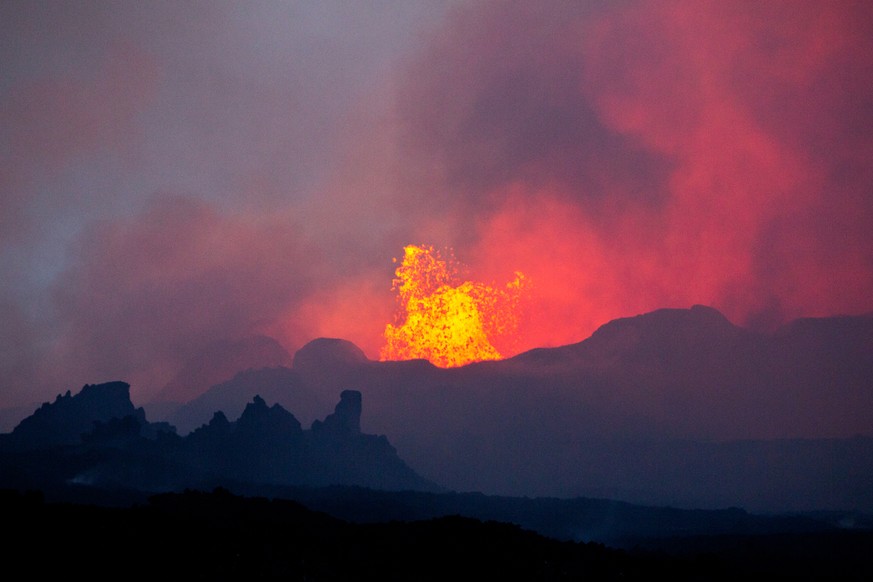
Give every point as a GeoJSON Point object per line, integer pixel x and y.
{"type": "Point", "coordinates": [676, 406]}
{"type": "Point", "coordinates": [218, 535]}
{"type": "Point", "coordinates": [96, 438]}
{"type": "Point", "coordinates": [219, 361]}
{"type": "Point", "coordinates": [333, 502]}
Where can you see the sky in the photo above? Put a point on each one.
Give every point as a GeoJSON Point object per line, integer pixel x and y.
{"type": "Point", "coordinates": [173, 174]}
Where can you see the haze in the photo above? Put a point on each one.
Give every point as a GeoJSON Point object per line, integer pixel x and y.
{"type": "Point", "coordinates": [174, 175]}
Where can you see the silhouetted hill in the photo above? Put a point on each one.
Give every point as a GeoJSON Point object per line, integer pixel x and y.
{"type": "Point", "coordinates": [11, 417]}
{"type": "Point", "coordinates": [266, 453]}
{"type": "Point", "coordinates": [338, 353]}
{"type": "Point", "coordinates": [279, 384]}
{"type": "Point", "coordinates": [680, 334]}
{"type": "Point", "coordinates": [266, 445]}
{"type": "Point", "coordinates": [675, 406]}
{"type": "Point", "coordinates": [220, 361]}
{"type": "Point", "coordinates": [614, 523]}
{"type": "Point", "coordinates": [276, 382]}
{"type": "Point", "coordinates": [222, 536]}
{"type": "Point", "coordinates": [64, 421]}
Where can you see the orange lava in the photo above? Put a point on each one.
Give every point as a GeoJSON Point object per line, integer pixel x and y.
{"type": "Point", "coordinates": [443, 319]}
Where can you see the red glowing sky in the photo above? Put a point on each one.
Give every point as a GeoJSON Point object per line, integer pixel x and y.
{"type": "Point", "coordinates": [175, 175]}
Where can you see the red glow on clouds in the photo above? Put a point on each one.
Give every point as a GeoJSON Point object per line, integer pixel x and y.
{"type": "Point", "coordinates": [752, 201]}
{"type": "Point", "coordinates": [633, 157]}
{"type": "Point", "coordinates": [623, 156]}
{"type": "Point", "coordinates": [573, 287]}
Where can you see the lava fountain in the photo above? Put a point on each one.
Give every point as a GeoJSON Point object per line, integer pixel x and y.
{"type": "Point", "coordinates": [444, 319]}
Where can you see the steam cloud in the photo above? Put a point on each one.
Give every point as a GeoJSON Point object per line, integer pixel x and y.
{"type": "Point", "coordinates": [630, 156]}
{"type": "Point", "coordinates": [171, 176]}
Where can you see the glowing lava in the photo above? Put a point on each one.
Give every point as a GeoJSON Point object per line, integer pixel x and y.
{"type": "Point", "coordinates": [443, 319]}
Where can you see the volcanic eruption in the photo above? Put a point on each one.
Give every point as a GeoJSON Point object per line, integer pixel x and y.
{"type": "Point", "coordinates": [444, 318]}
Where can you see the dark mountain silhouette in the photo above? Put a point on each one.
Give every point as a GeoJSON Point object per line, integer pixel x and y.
{"type": "Point", "coordinates": [276, 384]}
{"type": "Point", "coordinates": [686, 334]}
{"type": "Point", "coordinates": [615, 523]}
{"type": "Point", "coordinates": [218, 362]}
{"type": "Point", "coordinates": [97, 439]}
{"type": "Point", "coordinates": [11, 416]}
{"type": "Point", "coordinates": [323, 361]}
{"type": "Point", "coordinates": [341, 355]}
{"type": "Point", "coordinates": [217, 535]}
{"type": "Point", "coordinates": [105, 479]}
{"type": "Point", "coordinates": [676, 406]}
{"type": "Point", "coordinates": [64, 421]}
{"type": "Point", "coordinates": [267, 445]}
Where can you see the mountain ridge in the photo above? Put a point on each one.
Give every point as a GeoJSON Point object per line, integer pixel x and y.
{"type": "Point", "coordinates": [118, 448]}
{"type": "Point", "coordinates": [674, 406]}
{"type": "Point", "coordinates": [639, 389]}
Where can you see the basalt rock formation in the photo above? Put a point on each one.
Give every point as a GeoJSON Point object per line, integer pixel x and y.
{"type": "Point", "coordinates": [98, 439]}
{"type": "Point", "coordinates": [64, 421]}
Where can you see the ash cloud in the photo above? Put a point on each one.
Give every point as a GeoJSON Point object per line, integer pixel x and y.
{"type": "Point", "coordinates": [625, 156]}
{"type": "Point", "coordinates": [162, 180]}
{"type": "Point", "coordinates": [635, 155]}
{"type": "Point", "coordinates": [143, 295]}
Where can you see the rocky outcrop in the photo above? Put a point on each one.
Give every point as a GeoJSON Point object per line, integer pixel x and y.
{"type": "Point", "coordinates": [265, 446]}
{"type": "Point", "coordinates": [279, 384]}
{"type": "Point", "coordinates": [321, 351]}
{"type": "Point", "coordinates": [346, 418]}
{"type": "Point", "coordinates": [268, 445]}
{"type": "Point", "coordinates": [64, 421]}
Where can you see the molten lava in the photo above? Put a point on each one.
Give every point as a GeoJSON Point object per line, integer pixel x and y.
{"type": "Point", "coordinates": [444, 319]}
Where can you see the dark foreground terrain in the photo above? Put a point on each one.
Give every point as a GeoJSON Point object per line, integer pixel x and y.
{"type": "Point", "coordinates": [219, 535]}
